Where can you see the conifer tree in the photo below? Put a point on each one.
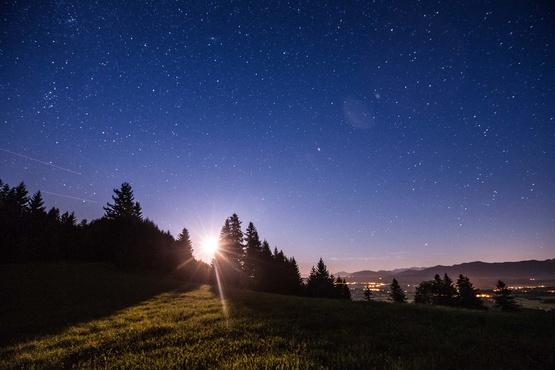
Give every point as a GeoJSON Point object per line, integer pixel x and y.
{"type": "Point", "coordinates": [424, 293]}
{"type": "Point", "coordinates": [504, 299]}
{"type": "Point", "coordinates": [36, 204]}
{"type": "Point", "coordinates": [367, 293]}
{"type": "Point", "coordinates": [320, 283]}
{"type": "Point", "coordinates": [42, 236]}
{"type": "Point", "coordinates": [293, 280]}
{"type": "Point", "coordinates": [444, 292]}
{"type": "Point", "coordinates": [396, 294]}
{"type": "Point", "coordinates": [68, 239]}
{"type": "Point", "coordinates": [20, 197]}
{"type": "Point", "coordinates": [125, 238]}
{"type": "Point", "coordinates": [253, 251]}
{"type": "Point", "coordinates": [184, 245]}
{"type": "Point", "coordinates": [236, 242]}
{"type": "Point", "coordinates": [68, 219]}
{"type": "Point", "coordinates": [467, 294]}
{"type": "Point", "coordinates": [278, 267]}
{"type": "Point", "coordinates": [283, 274]}
{"type": "Point", "coordinates": [14, 225]}
{"type": "Point", "coordinates": [229, 260]}
{"type": "Point", "coordinates": [124, 206]}
{"type": "Point", "coordinates": [267, 276]}
{"type": "Point", "coordinates": [342, 290]}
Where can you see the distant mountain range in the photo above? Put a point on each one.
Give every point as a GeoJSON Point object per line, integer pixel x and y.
{"type": "Point", "coordinates": [482, 274]}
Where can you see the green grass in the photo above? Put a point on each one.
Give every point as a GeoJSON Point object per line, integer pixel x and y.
{"type": "Point", "coordinates": [104, 319]}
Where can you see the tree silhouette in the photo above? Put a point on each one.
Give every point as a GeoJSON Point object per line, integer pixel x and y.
{"type": "Point", "coordinates": [424, 293]}
{"type": "Point", "coordinates": [229, 259]}
{"type": "Point", "coordinates": [397, 294]}
{"type": "Point", "coordinates": [253, 256]}
{"type": "Point", "coordinates": [128, 241]}
{"type": "Point", "coordinates": [504, 299]}
{"type": "Point", "coordinates": [284, 274]}
{"type": "Point", "coordinates": [184, 245]}
{"type": "Point", "coordinates": [28, 233]}
{"type": "Point", "coordinates": [293, 281]}
{"type": "Point", "coordinates": [15, 242]}
{"type": "Point", "coordinates": [18, 197]}
{"type": "Point", "coordinates": [320, 283]}
{"type": "Point", "coordinates": [342, 290]}
{"type": "Point", "coordinates": [181, 257]}
{"type": "Point", "coordinates": [124, 204]}
{"type": "Point", "coordinates": [36, 204]}
{"type": "Point", "coordinates": [123, 237]}
{"type": "Point", "coordinates": [68, 236]}
{"type": "Point", "coordinates": [444, 293]}
{"type": "Point", "coordinates": [438, 291]}
{"type": "Point", "coordinates": [367, 293]}
{"type": "Point", "coordinates": [42, 235]}
{"type": "Point", "coordinates": [467, 294]}
{"type": "Point", "coordinates": [267, 277]}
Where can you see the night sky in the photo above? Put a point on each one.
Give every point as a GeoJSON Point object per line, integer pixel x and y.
{"type": "Point", "coordinates": [376, 135]}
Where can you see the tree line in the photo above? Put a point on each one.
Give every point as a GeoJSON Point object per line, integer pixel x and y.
{"type": "Point", "coordinates": [30, 233]}
{"type": "Point", "coordinates": [441, 291]}
{"type": "Point", "coordinates": [243, 260]}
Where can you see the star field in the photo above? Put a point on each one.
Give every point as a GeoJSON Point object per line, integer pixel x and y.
{"type": "Point", "coordinates": [370, 134]}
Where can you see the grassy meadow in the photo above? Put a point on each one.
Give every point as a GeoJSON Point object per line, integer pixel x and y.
{"type": "Point", "coordinates": [91, 316]}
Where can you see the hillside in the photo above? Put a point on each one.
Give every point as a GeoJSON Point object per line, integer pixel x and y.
{"type": "Point", "coordinates": [160, 324]}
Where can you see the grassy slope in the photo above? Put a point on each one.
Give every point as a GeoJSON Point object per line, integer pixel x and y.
{"type": "Point", "coordinates": [91, 316]}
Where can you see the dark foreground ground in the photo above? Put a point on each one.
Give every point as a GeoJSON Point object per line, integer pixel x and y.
{"type": "Point", "coordinates": [91, 316]}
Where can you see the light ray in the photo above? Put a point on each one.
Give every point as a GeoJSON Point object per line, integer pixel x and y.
{"type": "Point", "coordinates": [222, 296]}
{"type": "Point", "coordinates": [38, 160]}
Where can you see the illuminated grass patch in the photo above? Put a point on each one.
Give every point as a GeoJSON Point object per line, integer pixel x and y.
{"type": "Point", "coordinates": [185, 328]}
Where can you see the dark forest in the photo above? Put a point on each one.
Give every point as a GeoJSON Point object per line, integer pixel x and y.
{"type": "Point", "coordinates": [123, 237]}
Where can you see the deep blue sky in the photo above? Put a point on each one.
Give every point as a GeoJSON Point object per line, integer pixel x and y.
{"type": "Point", "coordinates": [373, 135]}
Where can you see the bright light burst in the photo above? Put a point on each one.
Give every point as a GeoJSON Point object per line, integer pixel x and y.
{"type": "Point", "coordinates": [208, 247]}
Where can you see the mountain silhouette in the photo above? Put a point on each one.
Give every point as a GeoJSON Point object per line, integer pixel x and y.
{"type": "Point", "coordinates": [482, 274]}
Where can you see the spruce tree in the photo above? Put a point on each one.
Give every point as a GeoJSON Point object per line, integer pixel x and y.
{"type": "Point", "coordinates": [236, 242]}
{"type": "Point", "coordinates": [181, 257]}
{"type": "Point", "coordinates": [467, 294]}
{"type": "Point", "coordinates": [36, 204]}
{"type": "Point", "coordinates": [444, 292]}
{"type": "Point", "coordinates": [293, 280]}
{"type": "Point", "coordinates": [320, 283]}
{"type": "Point", "coordinates": [43, 237]}
{"type": "Point", "coordinates": [123, 233]}
{"type": "Point", "coordinates": [229, 260]}
{"type": "Point", "coordinates": [397, 294]}
{"type": "Point", "coordinates": [20, 197]}
{"type": "Point", "coordinates": [267, 275]}
{"type": "Point", "coordinates": [253, 251]}
{"type": "Point", "coordinates": [367, 293]}
{"type": "Point", "coordinates": [342, 290]}
{"type": "Point", "coordinates": [278, 266]}
{"type": "Point", "coordinates": [124, 206]}
{"type": "Point", "coordinates": [504, 299]}
{"type": "Point", "coordinates": [68, 219]}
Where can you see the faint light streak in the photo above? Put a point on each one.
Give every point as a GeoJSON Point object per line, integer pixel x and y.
{"type": "Point", "coordinates": [70, 197]}
{"type": "Point", "coordinates": [38, 160]}
{"type": "Point", "coordinates": [221, 291]}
